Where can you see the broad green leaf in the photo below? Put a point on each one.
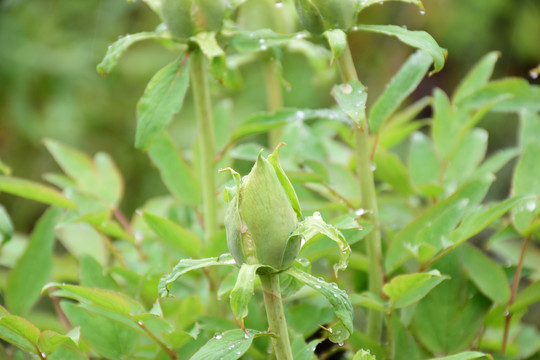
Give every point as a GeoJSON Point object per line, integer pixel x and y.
{"type": "Point", "coordinates": [81, 239]}
{"type": "Point", "coordinates": [370, 301]}
{"type": "Point", "coordinates": [33, 269]}
{"type": "Point", "coordinates": [162, 98]}
{"type": "Point", "coordinates": [466, 157]}
{"type": "Point", "coordinates": [471, 194]}
{"type": "Point", "coordinates": [527, 297]}
{"type": "Point", "coordinates": [363, 355]}
{"type": "Point", "coordinates": [362, 4]}
{"type": "Point", "coordinates": [314, 225]}
{"type": "Point", "coordinates": [486, 274]}
{"type": "Point", "coordinates": [109, 338]}
{"type": "Point", "coordinates": [34, 191]}
{"type": "Point", "coordinates": [526, 175]}
{"type": "Point", "coordinates": [111, 184]}
{"type": "Point", "coordinates": [20, 332]}
{"type": "Point", "coordinates": [93, 275]}
{"type": "Point", "coordinates": [65, 352]}
{"type": "Point", "coordinates": [186, 265]}
{"type": "Point", "coordinates": [6, 226]}
{"type": "Point", "coordinates": [399, 87]}
{"type": "Point", "coordinates": [174, 234]}
{"type": "Point", "coordinates": [229, 345]}
{"type": "Point", "coordinates": [50, 340]}
{"type": "Point", "coordinates": [418, 39]}
{"type": "Point", "coordinates": [119, 47]}
{"type": "Point", "coordinates": [303, 351]}
{"type": "Point", "coordinates": [392, 171]}
{"type": "Point", "coordinates": [260, 40]}
{"type": "Point", "coordinates": [466, 355]}
{"type": "Point", "coordinates": [529, 131]}
{"type": "Point", "coordinates": [405, 290]}
{"type": "Point", "coordinates": [405, 346]}
{"type": "Point", "coordinates": [495, 162]}
{"type": "Point", "coordinates": [516, 94]}
{"type": "Point", "coordinates": [243, 290]}
{"type": "Point", "coordinates": [424, 165]}
{"type": "Point", "coordinates": [262, 122]}
{"type": "Point", "coordinates": [337, 40]}
{"type": "Point", "coordinates": [338, 298]}
{"type": "Point", "coordinates": [351, 98]}
{"type": "Point", "coordinates": [477, 77]}
{"type": "Point", "coordinates": [445, 126]}
{"type": "Point", "coordinates": [173, 168]}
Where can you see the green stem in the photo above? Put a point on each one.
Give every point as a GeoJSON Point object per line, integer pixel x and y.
{"type": "Point", "coordinates": [276, 317]}
{"type": "Point", "coordinates": [205, 127]}
{"type": "Point", "coordinates": [274, 96]}
{"type": "Point", "coordinates": [369, 202]}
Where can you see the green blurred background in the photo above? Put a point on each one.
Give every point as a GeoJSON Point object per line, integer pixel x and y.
{"type": "Point", "coordinates": [49, 86]}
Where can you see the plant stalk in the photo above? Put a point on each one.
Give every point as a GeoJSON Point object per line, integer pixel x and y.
{"type": "Point", "coordinates": [274, 96]}
{"type": "Point", "coordinates": [206, 137]}
{"type": "Point", "coordinates": [368, 201]}
{"type": "Point", "coordinates": [276, 317]}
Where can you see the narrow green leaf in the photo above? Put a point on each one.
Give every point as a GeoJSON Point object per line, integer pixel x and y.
{"type": "Point", "coordinates": [466, 355]}
{"type": "Point", "coordinates": [392, 171]}
{"type": "Point", "coordinates": [405, 290]}
{"type": "Point", "coordinates": [174, 234]}
{"type": "Point", "coordinates": [50, 340]}
{"type": "Point", "coordinates": [529, 130]}
{"type": "Point", "coordinates": [111, 184]}
{"type": "Point", "coordinates": [172, 168]}
{"type": "Point", "coordinates": [229, 345]}
{"type": "Point", "coordinates": [186, 265]}
{"type": "Point", "coordinates": [351, 98]}
{"type": "Point", "coordinates": [495, 162]}
{"type": "Point", "coordinates": [424, 164]}
{"type": "Point", "coordinates": [6, 226]}
{"type": "Point", "coordinates": [526, 182]}
{"type": "Point", "coordinates": [338, 298]}
{"type": "Point", "coordinates": [242, 292]}
{"type": "Point", "coordinates": [445, 126]}
{"type": "Point", "coordinates": [20, 332]}
{"type": "Point", "coordinates": [162, 98]}
{"type": "Point", "coordinates": [34, 191]}
{"type": "Point", "coordinates": [4, 168]}
{"type": "Point", "coordinates": [23, 290]}
{"type": "Point", "coordinates": [93, 275]}
{"type": "Point", "coordinates": [370, 301]}
{"type": "Point", "coordinates": [477, 77]}
{"type": "Point", "coordinates": [337, 40]}
{"type": "Point", "coordinates": [488, 276]}
{"type": "Point", "coordinates": [467, 155]}
{"type": "Point", "coordinates": [119, 47]}
{"type": "Point", "coordinates": [418, 39]}
{"type": "Point", "coordinates": [260, 40]}
{"type": "Point", "coordinates": [285, 182]}
{"type": "Point", "coordinates": [527, 297]}
{"type": "Point", "coordinates": [399, 87]}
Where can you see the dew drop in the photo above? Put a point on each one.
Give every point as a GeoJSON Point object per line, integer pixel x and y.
{"type": "Point", "coordinates": [373, 167]}
{"type": "Point", "coordinates": [300, 114]}
{"type": "Point", "coordinates": [317, 215]}
{"type": "Point", "coordinates": [218, 336]}
{"type": "Point", "coordinates": [422, 12]}
{"type": "Point", "coordinates": [264, 47]}
{"type": "Point", "coordinates": [139, 235]}
{"type": "Point", "coordinates": [340, 343]}
{"type": "Point", "coordinates": [360, 212]}
{"type": "Point", "coordinates": [347, 89]}
{"type": "Point", "coordinates": [531, 205]}
{"type": "Point", "coordinates": [279, 4]}
{"type": "Point", "coordinates": [533, 74]}
{"type": "Point", "coordinates": [261, 41]}
{"type": "Point", "coordinates": [238, 352]}
{"type": "Point", "coordinates": [246, 336]}
{"type": "Point", "coordinates": [317, 286]}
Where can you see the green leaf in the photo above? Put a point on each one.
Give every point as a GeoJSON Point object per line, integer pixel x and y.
{"type": "Point", "coordinates": [49, 340]}
{"type": "Point", "coordinates": [174, 234]}
{"type": "Point", "coordinates": [20, 332]}
{"type": "Point", "coordinates": [362, 4]}
{"type": "Point", "coordinates": [392, 171]}
{"type": "Point", "coordinates": [370, 301]}
{"type": "Point", "coordinates": [211, 49]}
{"type": "Point", "coordinates": [488, 276]}
{"type": "Point", "coordinates": [337, 40]}
{"type": "Point", "coordinates": [172, 168]}
{"type": "Point", "coordinates": [229, 345]}
{"type": "Point", "coordinates": [495, 162]}
{"type": "Point", "coordinates": [314, 225]}
{"type": "Point", "coordinates": [119, 47]}
{"type": "Point", "coordinates": [162, 98]}
{"type": "Point", "coordinates": [424, 165]}
{"type": "Point", "coordinates": [405, 290]}
{"type": "Point", "coordinates": [526, 182]}
{"type": "Point", "coordinates": [446, 125]}
{"type": "Point", "coordinates": [527, 297]}
{"type": "Point", "coordinates": [363, 355]}
{"type": "Point", "coordinates": [186, 265]}
{"type": "Point", "coordinates": [399, 87]}
{"type": "Point", "coordinates": [465, 158]}
{"type": "Point", "coordinates": [466, 355]}
{"type": "Point", "coordinates": [529, 131]}
{"type": "Point", "coordinates": [260, 40]}
{"type": "Point", "coordinates": [405, 346]}
{"type": "Point", "coordinates": [93, 275]}
{"type": "Point", "coordinates": [338, 298]}
{"type": "Point", "coordinates": [34, 191]}
{"type": "Point", "coordinates": [111, 184]}
{"type": "Point", "coordinates": [6, 226]}
{"type": "Point", "coordinates": [33, 268]}
{"type": "Point", "coordinates": [418, 39]}
{"type": "Point", "coordinates": [285, 182]}
{"type": "Point", "coordinates": [351, 98]}
{"type": "Point", "coordinates": [477, 77]}
{"type": "Point", "coordinates": [303, 351]}
{"type": "Point", "coordinates": [243, 290]}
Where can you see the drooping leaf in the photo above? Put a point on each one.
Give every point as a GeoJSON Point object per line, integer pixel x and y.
{"type": "Point", "coordinates": [362, 4]}
{"type": "Point", "coordinates": [418, 39]}
{"type": "Point", "coordinates": [119, 47]}
{"type": "Point", "coordinates": [34, 191]}
{"type": "Point", "coordinates": [526, 182]}
{"type": "Point", "coordinates": [186, 265]}
{"type": "Point", "coordinates": [351, 98]}
{"type": "Point", "coordinates": [162, 98]}
{"type": "Point", "coordinates": [260, 40]}
{"type": "Point", "coordinates": [486, 274]}
{"type": "Point", "coordinates": [50, 340]}
{"type": "Point", "coordinates": [337, 40]}
{"type": "Point", "coordinates": [174, 234]}
{"type": "Point", "coordinates": [477, 77]}
{"type": "Point", "coordinates": [338, 298]}
{"type": "Point", "coordinates": [242, 292]}
{"type": "Point", "coordinates": [400, 86]}
{"type": "Point", "coordinates": [466, 355]}
{"type": "Point", "coordinates": [407, 289]}
{"type": "Point", "coordinates": [229, 345]}
{"type": "Point", "coordinates": [33, 269]}
{"type": "Point", "coordinates": [173, 167]}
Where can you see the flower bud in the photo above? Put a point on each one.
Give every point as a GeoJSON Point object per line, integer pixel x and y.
{"type": "Point", "coordinates": [261, 217]}
{"type": "Point", "coordinates": [316, 16]}
{"type": "Point", "coordinates": [185, 18]}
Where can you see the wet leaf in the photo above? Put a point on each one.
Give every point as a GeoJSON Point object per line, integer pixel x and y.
{"type": "Point", "coordinates": [527, 182]}
{"type": "Point", "coordinates": [407, 289]}
{"type": "Point", "coordinates": [467, 355]}
{"type": "Point", "coordinates": [242, 292]}
{"type": "Point", "coordinates": [351, 98]}
{"type": "Point", "coordinates": [337, 40]}
{"type": "Point", "coordinates": [229, 345]}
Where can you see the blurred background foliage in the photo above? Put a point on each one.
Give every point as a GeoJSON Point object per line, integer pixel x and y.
{"type": "Point", "coordinates": [49, 86]}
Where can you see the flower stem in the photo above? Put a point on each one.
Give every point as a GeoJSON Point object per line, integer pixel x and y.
{"type": "Point", "coordinates": [274, 96]}
{"type": "Point", "coordinates": [205, 127]}
{"type": "Point", "coordinates": [369, 202]}
{"type": "Point", "coordinates": [276, 317]}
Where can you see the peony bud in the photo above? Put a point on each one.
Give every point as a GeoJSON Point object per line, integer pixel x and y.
{"type": "Point", "coordinates": [185, 18]}
{"type": "Point", "coordinates": [316, 16]}
{"type": "Point", "coordinates": [261, 217]}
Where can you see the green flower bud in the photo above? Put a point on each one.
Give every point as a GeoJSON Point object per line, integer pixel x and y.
{"type": "Point", "coordinates": [261, 217]}
{"type": "Point", "coordinates": [316, 16]}
{"type": "Point", "coordinates": [185, 18]}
